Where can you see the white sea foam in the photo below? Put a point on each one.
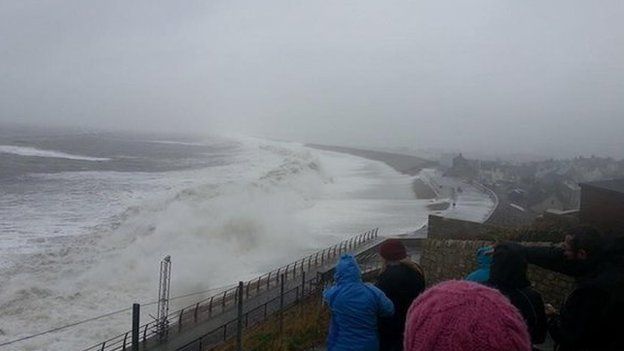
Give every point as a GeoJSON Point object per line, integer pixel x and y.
{"type": "Point", "coordinates": [31, 151]}
{"type": "Point", "coordinates": [219, 225]}
{"type": "Point", "coordinates": [173, 142]}
{"type": "Point", "coordinates": [100, 251]}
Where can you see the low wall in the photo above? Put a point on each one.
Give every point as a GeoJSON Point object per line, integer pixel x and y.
{"type": "Point", "coordinates": [444, 259]}
{"type": "Point", "coordinates": [449, 228]}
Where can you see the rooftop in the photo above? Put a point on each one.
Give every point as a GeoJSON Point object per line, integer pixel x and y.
{"type": "Point", "coordinates": [616, 185]}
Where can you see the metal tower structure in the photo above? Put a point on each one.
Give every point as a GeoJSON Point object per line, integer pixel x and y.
{"type": "Point", "coordinates": [163, 296]}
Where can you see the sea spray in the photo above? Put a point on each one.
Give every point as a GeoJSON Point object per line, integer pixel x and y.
{"type": "Point", "coordinates": [219, 225]}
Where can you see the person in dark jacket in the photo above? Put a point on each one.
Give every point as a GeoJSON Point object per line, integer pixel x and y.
{"type": "Point", "coordinates": [591, 316]}
{"type": "Point", "coordinates": [402, 280]}
{"type": "Point", "coordinates": [508, 274]}
{"type": "Point", "coordinates": [355, 307]}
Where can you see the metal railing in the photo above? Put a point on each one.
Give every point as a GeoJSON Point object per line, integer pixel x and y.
{"type": "Point", "coordinates": [226, 299]}
{"type": "Point", "coordinates": [229, 329]}
{"type": "Point", "coordinates": [492, 195]}
{"type": "Point", "coordinates": [279, 304]}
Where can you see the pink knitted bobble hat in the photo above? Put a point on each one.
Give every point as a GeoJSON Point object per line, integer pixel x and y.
{"type": "Point", "coordinates": [464, 316]}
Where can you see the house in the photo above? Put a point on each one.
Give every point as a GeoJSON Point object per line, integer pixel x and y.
{"type": "Point", "coordinates": [602, 205]}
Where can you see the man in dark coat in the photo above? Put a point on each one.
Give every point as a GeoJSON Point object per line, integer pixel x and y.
{"type": "Point", "coordinates": [591, 316]}
{"type": "Point", "coordinates": [402, 280]}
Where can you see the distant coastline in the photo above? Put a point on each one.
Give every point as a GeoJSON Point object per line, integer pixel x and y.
{"type": "Point", "coordinates": [406, 164]}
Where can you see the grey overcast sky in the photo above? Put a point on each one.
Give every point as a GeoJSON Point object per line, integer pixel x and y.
{"type": "Point", "coordinates": [526, 76]}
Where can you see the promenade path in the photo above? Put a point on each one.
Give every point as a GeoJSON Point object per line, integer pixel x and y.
{"type": "Point", "coordinates": [262, 301]}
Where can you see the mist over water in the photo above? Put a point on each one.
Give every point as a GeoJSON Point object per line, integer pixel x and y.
{"type": "Point", "coordinates": [78, 243]}
{"type": "Point", "coordinates": [102, 171]}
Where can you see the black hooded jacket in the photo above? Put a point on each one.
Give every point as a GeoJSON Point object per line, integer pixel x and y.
{"type": "Point", "coordinates": [508, 275]}
{"type": "Point", "coordinates": [592, 315]}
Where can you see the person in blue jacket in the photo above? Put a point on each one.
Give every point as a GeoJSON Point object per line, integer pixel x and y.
{"type": "Point", "coordinates": [484, 260]}
{"type": "Point", "coordinates": [354, 307]}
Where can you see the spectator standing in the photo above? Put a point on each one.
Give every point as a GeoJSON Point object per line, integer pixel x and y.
{"type": "Point", "coordinates": [355, 308]}
{"type": "Point", "coordinates": [402, 280]}
{"type": "Point", "coordinates": [591, 315]}
{"type": "Point", "coordinates": [508, 274]}
{"type": "Point", "coordinates": [464, 316]}
{"type": "Point", "coordinates": [484, 259]}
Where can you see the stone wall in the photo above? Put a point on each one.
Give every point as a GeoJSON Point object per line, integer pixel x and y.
{"type": "Point", "coordinates": [444, 259]}
{"type": "Point", "coordinates": [449, 228]}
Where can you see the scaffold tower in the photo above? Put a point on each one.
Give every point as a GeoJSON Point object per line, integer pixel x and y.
{"type": "Point", "coordinates": [163, 296]}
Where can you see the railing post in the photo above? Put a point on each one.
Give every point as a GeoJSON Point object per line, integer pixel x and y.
{"type": "Point", "coordinates": [247, 289]}
{"type": "Point", "coordinates": [223, 300]}
{"type": "Point", "coordinates": [281, 311]}
{"type": "Point", "coordinates": [145, 333]}
{"type": "Point", "coordinates": [239, 321]}
{"type": "Point", "coordinates": [302, 284]}
{"type": "Point", "coordinates": [316, 259]}
{"type": "Point", "coordinates": [180, 319]}
{"type": "Point", "coordinates": [286, 271]}
{"type": "Point", "coordinates": [196, 309]}
{"type": "Point", "coordinates": [124, 342]}
{"type": "Point", "coordinates": [210, 306]}
{"type": "Point", "coordinates": [103, 346]}
{"type": "Point", "coordinates": [258, 285]}
{"type": "Point", "coordinates": [136, 314]}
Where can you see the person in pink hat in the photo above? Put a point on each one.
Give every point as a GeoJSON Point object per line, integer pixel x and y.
{"type": "Point", "coordinates": [464, 316]}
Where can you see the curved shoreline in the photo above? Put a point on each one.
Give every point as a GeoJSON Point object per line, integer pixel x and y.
{"type": "Point", "coordinates": [406, 164]}
{"type": "Point", "coordinates": [424, 188]}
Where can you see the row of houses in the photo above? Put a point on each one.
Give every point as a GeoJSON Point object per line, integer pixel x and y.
{"type": "Point", "coordinates": [539, 185]}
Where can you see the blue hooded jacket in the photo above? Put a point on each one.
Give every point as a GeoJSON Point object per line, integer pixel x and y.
{"type": "Point", "coordinates": [355, 307]}
{"type": "Point", "coordinates": [484, 260]}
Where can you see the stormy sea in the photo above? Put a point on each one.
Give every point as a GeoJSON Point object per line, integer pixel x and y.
{"type": "Point", "coordinates": [86, 217]}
